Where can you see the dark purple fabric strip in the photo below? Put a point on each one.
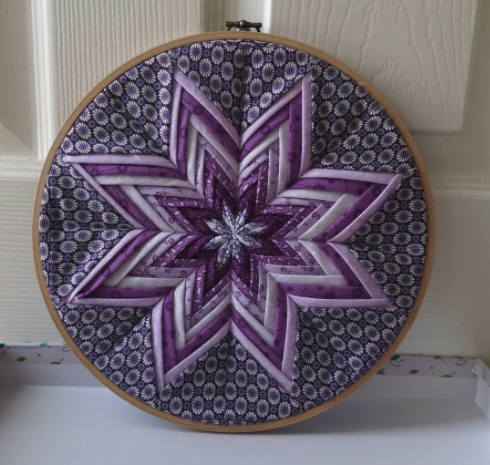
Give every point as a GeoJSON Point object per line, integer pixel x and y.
{"type": "Point", "coordinates": [270, 125]}
{"type": "Point", "coordinates": [241, 264]}
{"type": "Point", "coordinates": [122, 199]}
{"type": "Point", "coordinates": [213, 125]}
{"type": "Point", "coordinates": [113, 264]}
{"type": "Point", "coordinates": [325, 292]}
{"type": "Point", "coordinates": [295, 138]}
{"type": "Point", "coordinates": [132, 170]}
{"type": "Point", "coordinates": [214, 273]}
{"type": "Point", "coordinates": [272, 223]}
{"type": "Point", "coordinates": [251, 181]}
{"type": "Point", "coordinates": [268, 351]}
{"type": "Point", "coordinates": [221, 197]}
{"type": "Point", "coordinates": [358, 207]}
{"type": "Point", "coordinates": [213, 170]}
{"type": "Point", "coordinates": [197, 249]}
{"type": "Point", "coordinates": [181, 141]}
{"type": "Point", "coordinates": [300, 213]}
{"type": "Point", "coordinates": [180, 219]}
{"type": "Point", "coordinates": [254, 279]}
{"type": "Point", "coordinates": [339, 263]}
{"type": "Point", "coordinates": [333, 185]}
{"type": "Point", "coordinates": [216, 289]}
{"type": "Point", "coordinates": [104, 292]}
{"type": "Point", "coordinates": [243, 287]}
{"type": "Point", "coordinates": [248, 201]}
{"type": "Point", "coordinates": [199, 288]}
{"type": "Point", "coordinates": [168, 340]}
{"type": "Point", "coordinates": [205, 335]}
{"type": "Point", "coordinates": [278, 259]}
{"type": "Point", "coordinates": [169, 255]}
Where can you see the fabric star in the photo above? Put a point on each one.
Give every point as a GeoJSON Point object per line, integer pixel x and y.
{"type": "Point", "coordinates": [233, 233]}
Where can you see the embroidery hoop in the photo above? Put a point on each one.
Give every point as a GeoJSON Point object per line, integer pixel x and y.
{"type": "Point", "coordinates": [280, 41]}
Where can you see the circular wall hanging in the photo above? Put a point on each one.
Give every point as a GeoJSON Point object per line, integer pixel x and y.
{"type": "Point", "coordinates": [233, 231]}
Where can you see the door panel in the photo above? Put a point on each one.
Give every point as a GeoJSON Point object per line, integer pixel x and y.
{"type": "Point", "coordinates": [428, 57]}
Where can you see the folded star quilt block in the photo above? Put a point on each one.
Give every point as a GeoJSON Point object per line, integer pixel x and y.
{"type": "Point", "coordinates": [233, 232]}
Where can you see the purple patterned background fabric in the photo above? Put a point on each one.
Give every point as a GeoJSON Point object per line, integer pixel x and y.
{"type": "Point", "coordinates": [233, 232]}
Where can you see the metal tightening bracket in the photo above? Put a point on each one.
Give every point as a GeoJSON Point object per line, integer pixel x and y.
{"type": "Point", "coordinates": [243, 25]}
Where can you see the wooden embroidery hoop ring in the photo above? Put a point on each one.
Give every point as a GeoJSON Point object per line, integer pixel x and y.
{"type": "Point", "coordinates": [264, 38]}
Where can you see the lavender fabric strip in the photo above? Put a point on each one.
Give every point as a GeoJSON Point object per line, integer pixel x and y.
{"type": "Point", "coordinates": [210, 122]}
{"type": "Point", "coordinates": [134, 170]}
{"type": "Point", "coordinates": [128, 217]}
{"type": "Point", "coordinates": [123, 200]}
{"type": "Point", "coordinates": [110, 267]}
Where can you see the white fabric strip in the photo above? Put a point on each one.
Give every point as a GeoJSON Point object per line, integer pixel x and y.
{"type": "Point", "coordinates": [272, 110]}
{"type": "Point", "coordinates": [114, 159]}
{"type": "Point", "coordinates": [266, 336]}
{"type": "Point", "coordinates": [136, 282]}
{"type": "Point", "coordinates": [321, 258]}
{"type": "Point", "coordinates": [259, 148]}
{"type": "Point", "coordinates": [308, 194]}
{"type": "Point", "coordinates": [270, 307]}
{"type": "Point", "coordinates": [141, 181]}
{"type": "Point", "coordinates": [179, 315]}
{"type": "Point", "coordinates": [283, 157]}
{"type": "Point", "coordinates": [191, 153]}
{"type": "Point", "coordinates": [190, 87]}
{"type": "Point", "coordinates": [165, 215]}
{"type": "Point", "coordinates": [145, 207]}
{"type": "Point", "coordinates": [367, 281]}
{"type": "Point", "coordinates": [329, 218]}
{"type": "Point", "coordinates": [214, 142]}
{"type": "Point", "coordinates": [140, 302]}
{"type": "Point", "coordinates": [110, 255]}
{"type": "Point", "coordinates": [339, 303]}
{"type": "Point", "coordinates": [127, 265]}
{"type": "Point", "coordinates": [369, 211]}
{"type": "Point", "coordinates": [248, 170]}
{"type": "Point", "coordinates": [106, 196]}
{"type": "Point", "coordinates": [368, 176]}
{"type": "Point", "coordinates": [328, 281]}
{"type": "Point", "coordinates": [277, 374]}
{"type": "Point", "coordinates": [174, 128]}
{"type": "Point", "coordinates": [306, 123]}
{"type": "Point", "coordinates": [157, 328]}
{"type": "Point", "coordinates": [200, 170]}
{"type": "Point", "coordinates": [150, 258]}
{"type": "Point", "coordinates": [220, 308]}
{"type": "Point", "coordinates": [290, 341]}
{"type": "Point", "coordinates": [219, 158]}
{"type": "Point", "coordinates": [174, 373]}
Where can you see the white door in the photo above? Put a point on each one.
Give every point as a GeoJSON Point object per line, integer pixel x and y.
{"type": "Point", "coordinates": [428, 57]}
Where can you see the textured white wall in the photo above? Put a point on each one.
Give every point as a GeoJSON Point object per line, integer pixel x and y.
{"type": "Point", "coordinates": [428, 57]}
